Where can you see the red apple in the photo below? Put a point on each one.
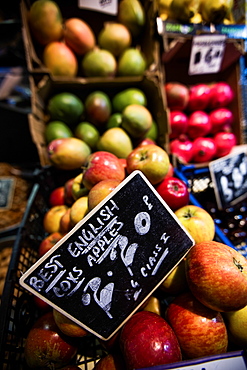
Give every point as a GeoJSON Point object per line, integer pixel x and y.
{"type": "Point", "coordinates": [100, 190]}
{"type": "Point", "coordinates": [148, 340]}
{"type": "Point", "coordinates": [197, 221]}
{"type": "Point", "coordinates": [151, 160]}
{"type": "Point", "coordinates": [112, 361]}
{"type": "Point", "coordinates": [182, 148]}
{"type": "Point", "coordinates": [177, 95]}
{"type": "Point", "coordinates": [198, 97]}
{"type": "Point", "coordinates": [174, 192]}
{"type": "Point", "coordinates": [56, 197]}
{"type": "Point", "coordinates": [178, 124]}
{"type": "Point", "coordinates": [221, 95]}
{"type": "Point", "coordinates": [68, 196]}
{"type": "Point", "coordinates": [200, 330]}
{"type": "Point", "coordinates": [203, 149]}
{"type": "Point", "coordinates": [48, 242]}
{"type": "Point", "coordinates": [145, 141]}
{"type": "Point", "coordinates": [221, 119]}
{"type": "Point", "coordinates": [41, 304]}
{"type": "Point", "coordinates": [67, 326]}
{"type": "Point", "coordinates": [224, 142]}
{"type": "Point", "coordinates": [217, 276]}
{"type": "Point", "coordinates": [102, 165]}
{"type": "Point", "coordinates": [45, 344]}
{"type": "Point", "coordinates": [199, 124]}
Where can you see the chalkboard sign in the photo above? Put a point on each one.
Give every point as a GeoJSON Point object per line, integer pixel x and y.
{"type": "Point", "coordinates": [6, 192]}
{"type": "Point", "coordinates": [113, 259]}
{"type": "Point", "coordinates": [229, 175]}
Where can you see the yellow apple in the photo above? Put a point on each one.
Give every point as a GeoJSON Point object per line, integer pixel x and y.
{"type": "Point", "coordinates": [51, 221]}
{"type": "Point", "coordinates": [153, 305]}
{"type": "Point", "coordinates": [67, 326]}
{"type": "Point", "coordinates": [176, 282]}
{"type": "Point", "coordinates": [78, 210]}
{"type": "Point", "coordinates": [236, 323]}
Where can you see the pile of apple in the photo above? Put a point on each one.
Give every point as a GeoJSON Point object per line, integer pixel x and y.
{"type": "Point", "coordinates": [200, 121]}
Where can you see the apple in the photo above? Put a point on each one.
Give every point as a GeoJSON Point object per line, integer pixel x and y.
{"type": "Point", "coordinates": [48, 242]}
{"type": "Point", "coordinates": [177, 95]}
{"type": "Point", "coordinates": [217, 276]}
{"type": "Point", "coordinates": [112, 361]}
{"type": "Point", "coordinates": [224, 142]}
{"type": "Point", "coordinates": [175, 283]}
{"type": "Point", "coordinates": [145, 141]}
{"type": "Point", "coordinates": [56, 197]}
{"type": "Point", "coordinates": [197, 221]}
{"type": "Point", "coordinates": [146, 340]}
{"type": "Point", "coordinates": [221, 119]}
{"type": "Point", "coordinates": [236, 323]}
{"type": "Point", "coordinates": [51, 220]}
{"type": "Point", "coordinates": [68, 196]}
{"type": "Point", "coordinates": [78, 189]}
{"type": "Point", "coordinates": [178, 124]}
{"type": "Point", "coordinates": [65, 224]}
{"type": "Point", "coordinates": [45, 344]}
{"type": "Point", "coordinates": [182, 148]}
{"type": "Point", "coordinates": [170, 171]}
{"type": "Point", "coordinates": [199, 124]}
{"type": "Point", "coordinates": [67, 326]}
{"type": "Point", "coordinates": [174, 192]}
{"type": "Point", "coordinates": [41, 304]}
{"type": "Point", "coordinates": [199, 95]}
{"type": "Point", "coordinates": [203, 149]}
{"type": "Point", "coordinates": [100, 190]}
{"type": "Point", "coordinates": [102, 165]}
{"type": "Point", "coordinates": [153, 305]}
{"type": "Point", "coordinates": [115, 140]}
{"type": "Point", "coordinates": [221, 95]}
{"type": "Point", "coordinates": [78, 210]}
{"type": "Point", "coordinates": [151, 160]}
{"type": "Point", "coordinates": [200, 330]}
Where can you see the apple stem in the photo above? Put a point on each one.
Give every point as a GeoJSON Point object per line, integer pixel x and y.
{"type": "Point", "coordinates": [238, 264]}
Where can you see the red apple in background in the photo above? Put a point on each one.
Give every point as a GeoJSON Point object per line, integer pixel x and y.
{"type": "Point", "coordinates": [178, 124]}
{"type": "Point", "coordinates": [151, 159]}
{"type": "Point", "coordinates": [217, 276]}
{"type": "Point", "coordinates": [199, 124]}
{"type": "Point", "coordinates": [170, 171]}
{"type": "Point", "coordinates": [174, 192]}
{"type": "Point", "coordinates": [41, 304]}
{"type": "Point", "coordinates": [68, 195]}
{"type": "Point", "coordinates": [177, 95]}
{"type": "Point", "coordinates": [197, 221]}
{"type": "Point", "coordinates": [148, 340]}
{"type": "Point", "coordinates": [203, 149]}
{"type": "Point", "coordinates": [56, 197]}
{"type": "Point", "coordinates": [102, 165]}
{"type": "Point", "coordinates": [221, 119]}
{"type": "Point", "coordinates": [224, 142]}
{"type": "Point", "coordinates": [200, 330]}
{"type": "Point", "coordinates": [182, 148]}
{"type": "Point", "coordinates": [45, 344]}
{"type": "Point", "coordinates": [48, 242]}
{"type": "Point", "coordinates": [221, 95]}
{"type": "Point", "coordinates": [198, 97]}
{"type": "Point", "coordinates": [100, 190]}
{"type": "Point", "coordinates": [146, 141]}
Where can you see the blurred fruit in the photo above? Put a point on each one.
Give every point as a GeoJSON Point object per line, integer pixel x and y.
{"type": "Point", "coordinates": [153, 132]}
{"type": "Point", "coordinates": [217, 276]}
{"type": "Point", "coordinates": [178, 124]}
{"type": "Point", "coordinates": [51, 220]}
{"type": "Point", "coordinates": [177, 95]}
{"type": "Point", "coordinates": [215, 11]}
{"type": "Point", "coordinates": [49, 241]}
{"type": "Point", "coordinates": [65, 224]}
{"type": "Point", "coordinates": [236, 322]}
{"type": "Point", "coordinates": [224, 142]}
{"type": "Point", "coordinates": [174, 192]}
{"type": "Point", "coordinates": [197, 221]}
{"type": "Point", "coordinates": [67, 326]}
{"type": "Point", "coordinates": [132, 14]}
{"type": "Point", "coordinates": [199, 95]}
{"type": "Point", "coordinates": [182, 148]}
{"type": "Point", "coordinates": [183, 10]}
{"type": "Point", "coordinates": [115, 140]}
{"type": "Point", "coordinates": [112, 361]}
{"type": "Point", "coordinates": [68, 153]}
{"type": "Point", "coordinates": [68, 196]}
{"type": "Point", "coordinates": [150, 159]}
{"type": "Point", "coordinates": [100, 190]}
{"type": "Point", "coordinates": [127, 97]}
{"type": "Point", "coordinates": [56, 197]}
{"type": "Point", "coordinates": [102, 165]}
{"type": "Point", "coordinates": [46, 21]}
{"type": "Point", "coordinates": [45, 344]}
{"type": "Point", "coordinates": [221, 119]}
{"type": "Point", "coordinates": [87, 132]}
{"type": "Point", "coordinates": [199, 124]}
{"type": "Point", "coordinates": [66, 107]}
{"type": "Point", "coordinates": [115, 120]}
{"type": "Point", "coordinates": [60, 59]}
{"type": "Point", "coordinates": [175, 283]}
{"type": "Point", "coordinates": [136, 120]}
{"type": "Point", "coordinates": [99, 63]}
{"type": "Point", "coordinates": [56, 130]}
{"type": "Point", "coordinates": [148, 340]}
{"type": "Point", "coordinates": [221, 95]}
{"type": "Point", "coordinates": [114, 37]}
{"type": "Point", "coordinates": [78, 210]}
{"type": "Point", "coordinates": [79, 36]}
{"type": "Point", "coordinates": [200, 330]}
{"type": "Point", "coordinates": [203, 149]}
{"type": "Point", "coordinates": [98, 108]}
{"type": "Point", "coordinates": [78, 189]}
{"type": "Point", "coordinates": [132, 62]}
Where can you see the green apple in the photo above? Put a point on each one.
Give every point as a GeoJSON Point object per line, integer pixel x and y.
{"type": "Point", "coordinates": [87, 132]}
{"type": "Point", "coordinates": [78, 189]}
{"type": "Point", "coordinates": [116, 141]}
{"type": "Point", "coordinates": [236, 323]}
{"type": "Point", "coordinates": [136, 120]}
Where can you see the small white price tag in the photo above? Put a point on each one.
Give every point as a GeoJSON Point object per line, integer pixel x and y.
{"type": "Point", "coordinates": [102, 6]}
{"type": "Point", "coordinates": [207, 52]}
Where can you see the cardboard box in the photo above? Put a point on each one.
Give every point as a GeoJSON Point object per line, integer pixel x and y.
{"type": "Point", "coordinates": [147, 41]}
{"type": "Point", "coordinates": [151, 86]}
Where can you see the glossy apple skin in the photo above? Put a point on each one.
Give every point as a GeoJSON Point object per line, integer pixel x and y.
{"type": "Point", "coordinates": [203, 149]}
{"type": "Point", "coordinates": [200, 330]}
{"type": "Point", "coordinates": [148, 340]}
{"type": "Point", "coordinates": [46, 346]}
{"type": "Point", "coordinates": [56, 197]}
{"type": "Point", "coordinates": [197, 221]}
{"type": "Point", "coordinates": [199, 124]}
{"type": "Point", "coordinates": [182, 148]}
{"type": "Point", "coordinates": [174, 192]}
{"type": "Point", "coordinates": [221, 119]}
{"type": "Point", "coordinates": [101, 166]}
{"type": "Point", "coordinates": [221, 94]}
{"type": "Point", "coordinates": [100, 190]}
{"type": "Point", "coordinates": [68, 195]}
{"type": "Point", "coordinates": [178, 123]}
{"type": "Point", "coordinates": [198, 97]}
{"type": "Point", "coordinates": [152, 160]}
{"type": "Point", "coordinates": [217, 276]}
{"type": "Point", "coordinates": [224, 142]}
{"type": "Point", "coordinates": [48, 242]}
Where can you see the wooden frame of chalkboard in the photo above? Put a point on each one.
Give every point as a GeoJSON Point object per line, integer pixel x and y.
{"type": "Point", "coordinates": [104, 269]}
{"type": "Point", "coordinates": [7, 186]}
{"type": "Point", "coordinates": [229, 176]}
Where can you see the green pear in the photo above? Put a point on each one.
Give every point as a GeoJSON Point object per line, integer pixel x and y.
{"type": "Point", "coordinates": [132, 14]}
{"type": "Point", "coordinates": [132, 62]}
{"type": "Point", "coordinates": [116, 141]}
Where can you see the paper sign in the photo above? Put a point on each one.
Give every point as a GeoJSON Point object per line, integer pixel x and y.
{"type": "Point", "coordinates": [102, 6]}
{"type": "Point", "coordinates": [110, 263]}
{"type": "Point", "coordinates": [229, 175]}
{"type": "Point", "coordinates": [207, 52]}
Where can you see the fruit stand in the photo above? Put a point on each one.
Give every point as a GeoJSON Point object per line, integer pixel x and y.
{"type": "Point", "coordinates": [128, 169]}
